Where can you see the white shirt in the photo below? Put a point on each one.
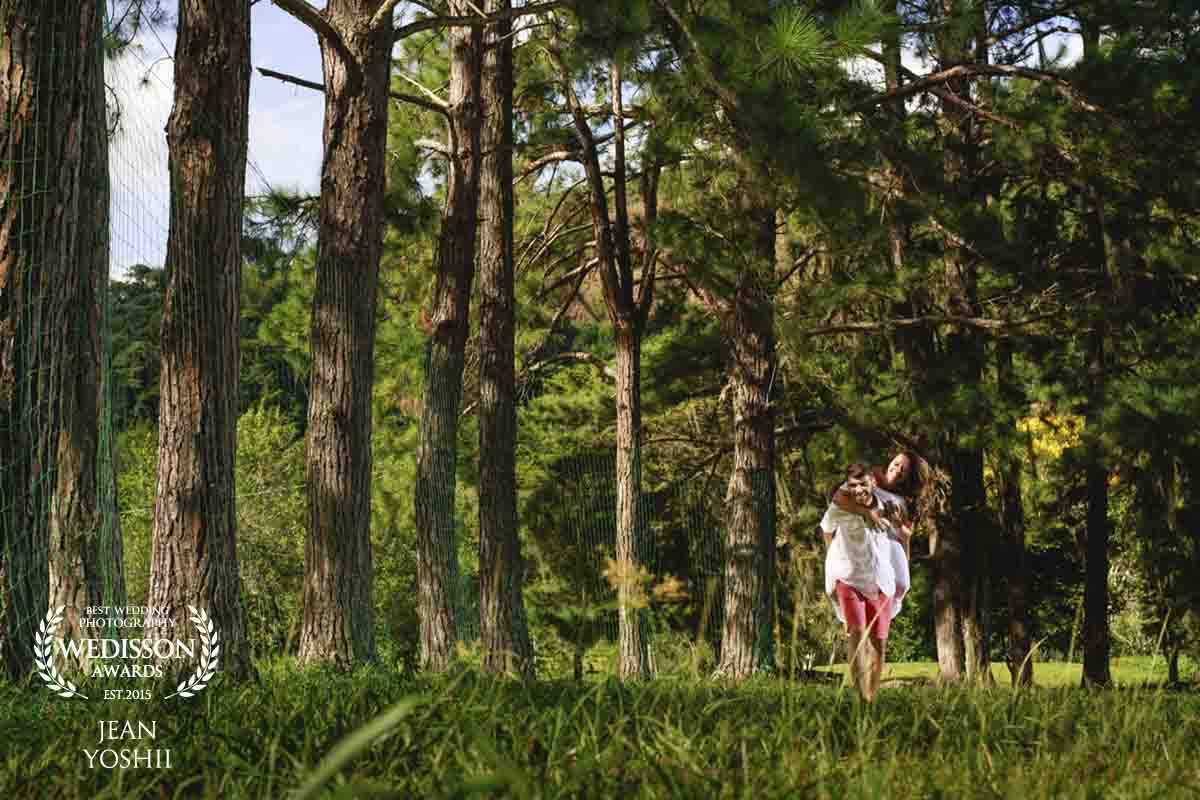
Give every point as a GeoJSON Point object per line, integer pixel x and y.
{"type": "Point", "coordinates": [899, 557]}
{"type": "Point", "coordinates": [885, 498]}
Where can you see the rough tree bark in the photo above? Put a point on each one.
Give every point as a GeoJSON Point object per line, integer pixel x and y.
{"type": "Point", "coordinates": [507, 648]}
{"type": "Point", "coordinates": [747, 311]}
{"type": "Point", "coordinates": [747, 641]}
{"type": "Point", "coordinates": [355, 36]}
{"type": "Point", "coordinates": [45, 83]}
{"type": "Point", "coordinates": [194, 554]}
{"type": "Point", "coordinates": [976, 539]}
{"type": "Point", "coordinates": [627, 308]}
{"type": "Point", "coordinates": [85, 559]}
{"type": "Point", "coordinates": [922, 362]}
{"type": "Point", "coordinates": [959, 596]}
{"type": "Point", "coordinates": [437, 453]}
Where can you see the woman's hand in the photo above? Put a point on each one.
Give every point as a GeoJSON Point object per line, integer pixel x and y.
{"type": "Point", "coordinates": [848, 501]}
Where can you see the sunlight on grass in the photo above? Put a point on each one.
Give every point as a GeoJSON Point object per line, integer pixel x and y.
{"type": "Point", "coordinates": [1129, 671]}
{"type": "Point", "coordinates": [380, 733]}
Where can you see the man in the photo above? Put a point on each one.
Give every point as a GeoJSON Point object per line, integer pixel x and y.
{"type": "Point", "coordinates": [892, 484]}
{"type": "Point", "coordinates": [860, 577]}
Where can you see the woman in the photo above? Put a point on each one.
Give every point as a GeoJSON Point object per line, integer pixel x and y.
{"type": "Point", "coordinates": [859, 576]}
{"type": "Point", "coordinates": [881, 498]}
{"type": "Point", "coordinates": [896, 488]}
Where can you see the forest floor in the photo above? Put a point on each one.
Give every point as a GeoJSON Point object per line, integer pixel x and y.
{"type": "Point", "coordinates": [468, 735]}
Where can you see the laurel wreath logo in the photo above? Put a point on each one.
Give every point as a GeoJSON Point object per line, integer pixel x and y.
{"type": "Point", "coordinates": [210, 650]}
{"type": "Point", "coordinates": [43, 659]}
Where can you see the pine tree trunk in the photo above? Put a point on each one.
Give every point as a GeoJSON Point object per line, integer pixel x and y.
{"type": "Point", "coordinates": [976, 543]}
{"type": "Point", "coordinates": [628, 319]}
{"type": "Point", "coordinates": [506, 645]}
{"type": "Point", "coordinates": [942, 524]}
{"type": "Point", "coordinates": [85, 560]}
{"type": "Point", "coordinates": [437, 455]}
{"type": "Point", "coordinates": [338, 613]}
{"type": "Point", "coordinates": [46, 78]}
{"type": "Point", "coordinates": [1187, 521]}
{"type": "Point", "coordinates": [194, 557]}
{"type": "Point", "coordinates": [946, 563]}
{"type": "Point", "coordinates": [1095, 631]}
{"type": "Point", "coordinates": [977, 539]}
{"type": "Point", "coordinates": [1012, 522]}
{"type": "Point", "coordinates": [627, 311]}
{"type": "Point", "coordinates": [631, 614]}
{"type": "Point", "coordinates": [959, 593]}
{"type": "Point", "coordinates": [747, 642]}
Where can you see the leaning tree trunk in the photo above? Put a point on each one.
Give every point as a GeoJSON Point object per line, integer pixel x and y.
{"type": "Point", "coordinates": [194, 554]}
{"type": "Point", "coordinates": [747, 642]}
{"type": "Point", "coordinates": [338, 623]}
{"type": "Point", "coordinates": [437, 453]}
{"type": "Point", "coordinates": [85, 540]}
{"type": "Point", "coordinates": [503, 627]}
{"type": "Point", "coordinates": [46, 78]}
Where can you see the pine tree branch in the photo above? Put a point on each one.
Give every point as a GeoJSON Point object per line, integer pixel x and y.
{"type": "Point", "coordinates": [318, 87]}
{"type": "Point", "coordinates": [314, 20]}
{"type": "Point", "coordinates": [445, 21]}
{"type": "Point", "coordinates": [441, 104]}
{"type": "Point", "coordinates": [605, 251]}
{"type": "Point", "coordinates": [728, 98]}
{"type": "Point", "coordinates": [536, 353]}
{"type": "Point", "coordinates": [954, 99]}
{"type": "Point", "coordinates": [574, 357]}
{"type": "Point", "coordinates": [572, 154]}
{"type": "Point", "coordinates": [292, 79]}
{"type": "Point", "coordinates": [420, 102]}
{"type": "Point", "coordinates": [571, 275]}
{"type": "Point", "coordinates": [981, 323]}
{"type": "Point", "coordinates": [934, 80]}
{"type": "Point", "coordinates": [441, 148]}
{"type": "Point", "coordinates": [649, 185]}
{"type": "Point", "coordinates": [1025, 25]}
{"type": "Point", "coordinates": [879, 436]}
{"type": "Point", "coordinates": [383, 14]}
{"type": "Point", "coordinates": [799, 264]}
{"type": "Point", "coordinates": [545, 232]}
{"type": "Point", "coordinates": [554, 157]}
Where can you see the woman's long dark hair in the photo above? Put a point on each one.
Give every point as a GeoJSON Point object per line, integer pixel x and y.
{"type": "Point", "coordinates": [914, 481]}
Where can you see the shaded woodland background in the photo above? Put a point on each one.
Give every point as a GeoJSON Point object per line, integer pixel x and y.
{"type": "Point", "coordinates": [529, 387]}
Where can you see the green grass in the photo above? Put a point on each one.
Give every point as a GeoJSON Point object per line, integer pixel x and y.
{"type": "Point", "coordinates": [471, 736]}
{"type": "Point", "coordinates": [1127, 671]}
